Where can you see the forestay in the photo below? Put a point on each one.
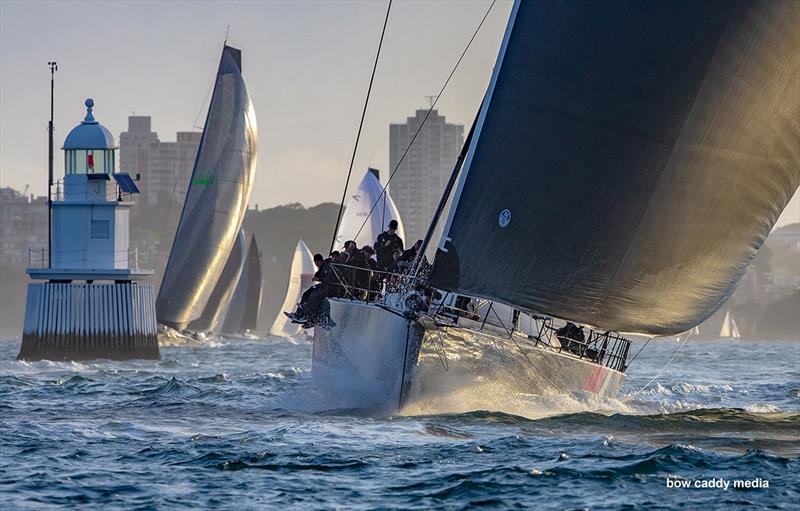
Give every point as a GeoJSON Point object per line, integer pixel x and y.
{"type": "Point", "coordinates": [629, 161]}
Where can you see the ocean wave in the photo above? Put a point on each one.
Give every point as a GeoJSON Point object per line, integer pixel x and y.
{"type": "Point", "coordinates": [171, 387]}
{"type": "Point", "coordinates": [259, 460]}
{"type": "Point", "coordinates": [761, 408]}
{"type": "Point", "coordinates": [698, 418]}
{"type": "Point", "coordinates": [247, 426]}
{"type": "Point", "coordinates": [217, 378]}
{"type": "Point", "coordinates": [667, 461]}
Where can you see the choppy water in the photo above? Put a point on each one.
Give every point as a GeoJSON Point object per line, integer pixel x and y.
{"type": "Point", "coordinates": [239, 425]}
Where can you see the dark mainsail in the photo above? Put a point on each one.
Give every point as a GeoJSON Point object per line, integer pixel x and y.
{"type": "Point", "coordinates": [242, 314]}
{"type": "Point", "coordinates": [629, 160]}
{"type": "Point", "coordinates": [220, 298]}
{"type": "Point", "coordinates": [216, 199]}
{"type": "Point", "coordinates": [253, 290]}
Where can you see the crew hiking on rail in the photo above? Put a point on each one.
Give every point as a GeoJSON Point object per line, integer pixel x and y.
{"type": "Point", "coordinates": [385, 257]}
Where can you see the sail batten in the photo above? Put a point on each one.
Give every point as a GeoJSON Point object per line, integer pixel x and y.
{"type": "Point", "coordinates": [629, 160]}
{"type": "Point", "coordinates": [216, 198]}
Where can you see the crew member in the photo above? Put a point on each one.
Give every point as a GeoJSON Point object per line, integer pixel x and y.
{"type": "Point", "coordinates": [311, 300]}
{"type": "Point", "coordinates": [388, 241]}
{"type": "Point", "coordinates": [358, 274]}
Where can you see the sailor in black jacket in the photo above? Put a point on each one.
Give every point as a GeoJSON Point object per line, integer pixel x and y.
{"type": "Point", "coordinates": [388, 241]}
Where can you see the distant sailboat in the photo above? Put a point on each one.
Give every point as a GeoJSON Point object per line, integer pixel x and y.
{"type": "Point", "coordinates": [216, 199]}
{"type": "Point", "coordinates": [369, 192]}
{"type": "Point", "coordinates": [300, 276]}
{"type": "Point", "coordinates": [729, 328]}
{"type": "Point", "coordinates": [242, 314]}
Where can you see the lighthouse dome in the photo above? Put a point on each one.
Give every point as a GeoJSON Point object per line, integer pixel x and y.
{"type": "Point", "coordinates": [89, 134]}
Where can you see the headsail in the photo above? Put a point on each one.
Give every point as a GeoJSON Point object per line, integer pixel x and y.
{"type": "Point", "coordinates": [629, 160]}
{"type": "Point", "coordinates": [242, 314]}
{"type": "Point", "coordinates": [361, 203]}
{"type": "Point", "coordinates": [300, 277]}
{"type": "Point", "coordinates": [220, 298]}
{"type": "Point", "coordinates": [252, 303]}
{"type": "Point", "coordinates": [216, 199]}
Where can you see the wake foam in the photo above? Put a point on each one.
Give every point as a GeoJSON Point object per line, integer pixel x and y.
{"type": "Point", "coordinates": [168, 337]}
{"type": "Point", "coordinates": [458, 374]}
{"type": "Point", "coordinates": [467, 394]}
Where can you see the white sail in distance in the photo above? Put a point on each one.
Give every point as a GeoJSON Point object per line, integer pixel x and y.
{"type": "Point", "coordinates": [300, 279]}
{"type": "Point", "coordinates": [361, 202]}
{"type": "Point", "coordinates": [729, 328]}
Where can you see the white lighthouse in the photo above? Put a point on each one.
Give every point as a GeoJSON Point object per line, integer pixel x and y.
{"type": "Point", "coordinates": [87, 302]}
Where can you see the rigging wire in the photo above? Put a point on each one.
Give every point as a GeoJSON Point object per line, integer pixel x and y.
{"type": "Point", "coordinates": [422, 124]}
{"type": "Point", "coordinates": [360, 126]}
{"type": "Point", "coordinates": [640, 350]}
{"type": "Point", "coordinates": [663, 368]}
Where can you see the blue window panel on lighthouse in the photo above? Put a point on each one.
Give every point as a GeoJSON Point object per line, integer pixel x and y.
{"type": "Point", "coordinates": [101, 229]}
{"type": "Point", "coordinates": [125, 183]}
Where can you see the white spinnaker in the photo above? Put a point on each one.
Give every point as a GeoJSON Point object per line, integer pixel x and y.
{"type": "Point", "coordinates": [358, 208]}
{"type": "Point", "coordinates": [299, 280]}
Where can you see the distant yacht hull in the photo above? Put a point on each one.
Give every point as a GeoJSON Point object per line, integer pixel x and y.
{"type": "Point", "coordinates": [383, 360]}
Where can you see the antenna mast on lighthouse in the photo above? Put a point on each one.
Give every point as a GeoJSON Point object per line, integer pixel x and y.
{"type": "Point", "coordinates": [53, 69]}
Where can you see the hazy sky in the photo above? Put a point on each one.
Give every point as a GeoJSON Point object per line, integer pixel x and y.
{"type": "Point", "coordinates": [306, 65]}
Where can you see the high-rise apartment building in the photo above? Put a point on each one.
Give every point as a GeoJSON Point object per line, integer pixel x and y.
{"type": "Point", "coordinates": [421, 178]}
{"type": "Point", "coordinates": [23, 228]}
{"type": "Point", "coordinates": [165, 167]}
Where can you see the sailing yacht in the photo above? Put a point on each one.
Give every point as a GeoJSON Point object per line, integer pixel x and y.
{"type": "Point", "coordinates": [216, 201]}
{"type": "Point", "coordinates": [218, 301]}
{"type": "Point", "coordinates": [300, 278]}
{"type": "Point", "coordinates": [241, 317]}
{"type": "Point", "coordinates": [729, 328]}
{"type": "Point", "coordinates": [627, 162]}
{"type": "Point", "coordinates": [368, 212]}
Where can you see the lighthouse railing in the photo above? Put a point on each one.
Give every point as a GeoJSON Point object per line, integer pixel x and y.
{"type": "Point", "coordinates": [77, 259]}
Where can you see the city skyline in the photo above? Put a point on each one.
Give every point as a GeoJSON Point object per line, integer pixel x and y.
{"type": "Point", "coordinates": [165, 165]}
{"type": "Point", "coordinates": [307, 67]}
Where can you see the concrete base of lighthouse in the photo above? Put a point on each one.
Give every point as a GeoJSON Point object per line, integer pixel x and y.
{"type": "Point", "coordinates": [84, 321]}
